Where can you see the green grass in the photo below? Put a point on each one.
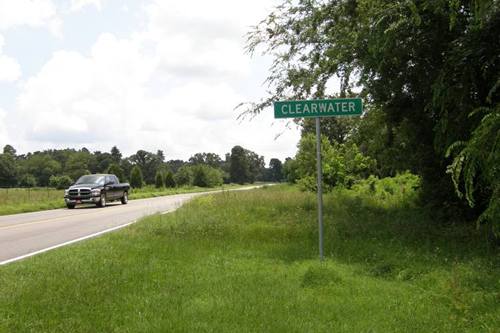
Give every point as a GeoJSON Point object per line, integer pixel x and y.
{"type": "Point", "coordinates": [248, 262]}
{"type": "Point", "coordinates": [23, 200]}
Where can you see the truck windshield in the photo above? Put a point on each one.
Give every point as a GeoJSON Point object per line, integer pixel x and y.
{"type": "Point", "coordinates": [91, 179]}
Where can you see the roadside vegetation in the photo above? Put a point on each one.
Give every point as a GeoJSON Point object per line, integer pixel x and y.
{"type": "Point", "coordinates": [35, 181]}
{"type": "Point", "coordinates": [24, 200]}
{"type": "Point", "coordinates": [248, 261]}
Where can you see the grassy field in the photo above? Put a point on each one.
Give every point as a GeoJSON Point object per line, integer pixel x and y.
{"type": "Point", "coordinates": [248, 262]}
{"type": "Point", "coordinates": [23, 200]}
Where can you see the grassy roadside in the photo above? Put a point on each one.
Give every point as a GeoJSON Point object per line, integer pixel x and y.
{"type": "Point", "coordinates": [247, 262]}
{"type": "Point", "coordinates": [23, 200]}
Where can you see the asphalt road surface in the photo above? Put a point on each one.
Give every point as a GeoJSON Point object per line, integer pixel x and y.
{"type": "Point", "coordinates": [24, 235]}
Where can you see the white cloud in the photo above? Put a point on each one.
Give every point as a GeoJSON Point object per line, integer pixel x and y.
{"type": "Point", "coordinates": [77, 5]}
{"type": "Point", "coordinates": [9, 67]}
{"type": "Point", "coordinates": [172, 86]}
{"type": "Point", "coordinates": [33, 13]}
{"type": "Point", "coordinates": [4, 135]}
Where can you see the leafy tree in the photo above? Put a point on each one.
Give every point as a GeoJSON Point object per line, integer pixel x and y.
{"type": "Point", "coordinates": [9, 150]}
{"type": "Point", "coordinates": [60, 182]}
{"type": "Point", "coordinates": [276, 169]}
{"type": "Point", "coordinates": [116, 155]}
{"type": "Point", "coordinates": [343, 164]}
{"type": "Point", "coordinates": [78, 164]}
{"type": "Point", "coordinates": [27, 180]}
{"type": "Point", "coordinates": [256, 165]}
{"type": "Point", "coordinates": [424, 65]}
{"type": "Point", "coordinates": [184, 176]}
{"type": "Point", "coordinates": [174, 165]}
{"type": "Point", "coordinates": [116, 170]}
{"type": "Point", "coordinates": [334, 128]}
{"type": "Point", "coordinates": [136, 179]}
{"type": "Point", "coordinates": [169, 179]}
{"type": "Point", "coordinates": [8, 174]}
{"type": "Point", "coordinates": [40, 165]}
{"type": "Point", "coordinates": [206, 176]}
{"type": "Point", "coordinates": [159, 182]}
{"type": "Point", "coordinates": [100, 162]}
{"type": "Point", "coordinates": [210, 159]}
{"type": "Point", "coordinates": [290, 172]}
{"type": "Point", "coordinates": [240, 167]}
{"type": "Point", "coordinates": [148, 163]}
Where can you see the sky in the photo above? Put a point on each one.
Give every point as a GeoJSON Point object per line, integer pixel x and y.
{"type": "Point", "coordinates": [153, 75]}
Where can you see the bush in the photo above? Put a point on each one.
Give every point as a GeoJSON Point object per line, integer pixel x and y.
{"type": "Point", "coordinates": [184, 176]}
{"type": "Point", "coordinates": [116, 170]}
{"type": "Point", "coordinates": [60, 182]}
{"type": "Point", "coordinates": [206, 176]}
{"type": "Point", "coordinates": [136, 179]}
{"type": "Point", "coordinates": [159, 179]}
{"type": "Point", "coordinates": [27, 180]}
{"type": "Point", "coordinates": [169, 179]}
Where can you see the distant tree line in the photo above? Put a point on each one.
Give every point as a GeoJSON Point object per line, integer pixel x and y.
{"type": "Point", "coordinates": [61, 167]}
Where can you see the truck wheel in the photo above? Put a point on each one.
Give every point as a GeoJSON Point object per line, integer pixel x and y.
{"type": "Point", "coordinates": [70, 206]}
{"type": "Point", "coordinates": [102, 201]}
{"type": "Point", "coordinates": [124, 199]}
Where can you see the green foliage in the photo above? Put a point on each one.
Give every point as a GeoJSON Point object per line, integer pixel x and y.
{"type": "Point", "coordinates": [184, 176]}
{"type": "Point", "coordinates": [9, 150]}
{"type": "Point", "coordinates": [476, 165]}
{"type": "Point", "coordinates": [8, 172]}
{"type": "Point", "coordinates": [78, 164]}
{"type": "Point", "coordinates": [343, 164]}
{"type": "Point", "coordinates": [60, 182]}
{"type": "Point", "coordinates": [206, 176]}
{"type": "Point", "coordinates": [116, 170]}
{"type": "Point", "coordinates": [27, 180]}
{"type": "Point", "coordinates": [148, 163]}
{"type": "Point", "coordinates": [276, 170]}
{"type": "Point", "coordinates": [388, 268]}
{"type": "Point", "coordinates": [136, 180]}
{"type": "Point", "coordinates": [169, 179]}
{"type": "Point", "coordinates": [209, 159]}
{"type": "Point", "coordinates": [422, 66]}
{"type": "Point", "coordinates": [290, 170]}
{"type": "Point", "coordinates": [159, 181]}
{"type": "Point", "coordinates": [245, 165]}
{"type": "Point", "coordinates": [42, 166]}
{"type": "Point", "coordinates": [240, 168]}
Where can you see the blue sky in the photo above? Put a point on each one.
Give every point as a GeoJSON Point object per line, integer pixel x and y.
{"type": "Point", "coordinates": [156, 74]}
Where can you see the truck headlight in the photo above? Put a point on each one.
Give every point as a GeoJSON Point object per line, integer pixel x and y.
{"type": "Point", "coordinates": [96, 192]}
{"type": "Point", "coordinates": [66, 192]}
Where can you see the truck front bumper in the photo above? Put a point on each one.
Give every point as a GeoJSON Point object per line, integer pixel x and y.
{"type": "Point", "coordinates": [76, 201]}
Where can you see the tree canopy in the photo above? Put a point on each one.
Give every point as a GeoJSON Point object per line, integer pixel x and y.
{"type": "Point", "coordinates": [428, 69]}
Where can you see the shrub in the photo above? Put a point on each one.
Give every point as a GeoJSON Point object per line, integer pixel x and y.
{"type": "Point", "coordinates": [169, 179]}
{"type": "Point", "coordinates": [206, 176]}
{"type": "Point", "coordinates": [136, 179]}
{"type": "Point", "coordinates": [27, 180]}
{"type": "Point", "coordinates": [184, 176]}
{"type": "Point", "coordinates": [60, 182]}
{"type": "Point", "coordinates": [116, 170]}
{"type": "Point", "coordinates": [159, 179]}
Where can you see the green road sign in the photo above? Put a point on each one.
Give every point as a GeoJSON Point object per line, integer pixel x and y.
{"type": "Point", "coordinates": [318, 108]}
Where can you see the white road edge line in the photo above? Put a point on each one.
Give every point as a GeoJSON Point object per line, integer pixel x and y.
{"type": "Point", "coordinates": [31, 254]}
{"type": "Point", "coordinates": [65, 243]}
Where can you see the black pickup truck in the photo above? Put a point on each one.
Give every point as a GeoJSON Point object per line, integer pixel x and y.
{"type": "Point", "coordinates": [96, 189]}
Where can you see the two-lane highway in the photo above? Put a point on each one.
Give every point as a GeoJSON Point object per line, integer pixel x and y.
{"type": "Point", "coordinates": [24, 235]}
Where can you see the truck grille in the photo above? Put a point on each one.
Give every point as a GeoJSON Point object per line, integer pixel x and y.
{"type": "Point", "coordinates": [79, 193]}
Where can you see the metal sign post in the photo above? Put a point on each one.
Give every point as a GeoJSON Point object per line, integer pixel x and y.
{"type": "Point", "coordinates": [338, 107]}
{"type": "Point", "coordinates": [320, 187]}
